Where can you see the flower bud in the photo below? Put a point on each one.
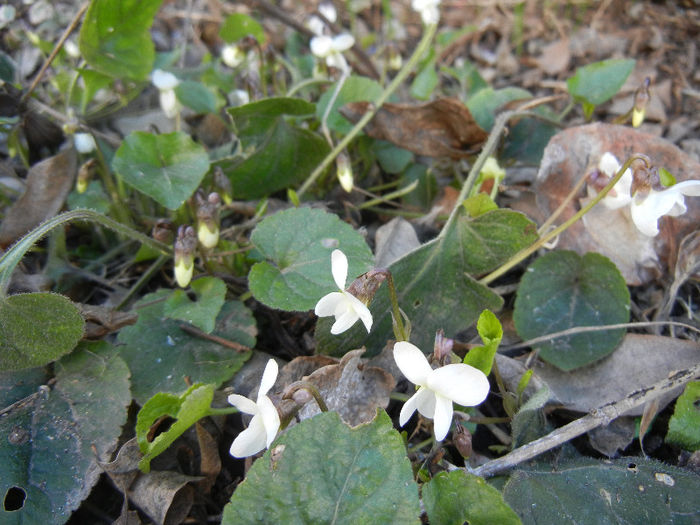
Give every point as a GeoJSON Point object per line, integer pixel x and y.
{"type": "Point", "coordinates": [462, 440]}
{"type": "Point", "coordinates": [208, 219]}
{"type": "Point", "coordinates": [642, 96]}
{"type": "Point", "coordinates": [442, 349]}
{"type": "Point", "coordinates": [232, 55]}
{"type": "Point", "coordinates": [223, 185]}
{"type": "Point", "coordinates": [162, 231]}
{"type": "Point", "coordinates": [84, 142]}
{"type": "Point", "coordinates": [84, 175]}
{"type": "Point", "coordinates": [344, 172]}
{"type": "Point", "coordinates": [395, 60]}
{"type": "Point", "coordinates": [185, 246]}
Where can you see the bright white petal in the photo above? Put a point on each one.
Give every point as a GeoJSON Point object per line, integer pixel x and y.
{"type": "Point", "coordinates": [169, 103]}
{"type": "Point", "coordinates": [430, 15]}
{"type": "Point", "coordinates": [343, 42]}
{"type": "Point", "coordinates": [443, 417]}
{"type": "Point", "coordinates": [646, 222]}
{"type": "Point", "coordinates": [243, 404]}
{"type": "Point", "coordinates": [360, 309]}
{"type": "Point", "coordinates": [321, 46]}
{"type": "Point", "coordinates": [328, 10]}
{"type": "Point", "coordinates": [270, 418]}
{"type": "Point", "coordinates": [408, 408]}
{"type": "Point", "coordinates": [412, 363]}
{"type": "Point", "coordinates": [339, 268]}
{"type": "Point", "coordinates": [268, 378]}
{"type": "Point", "coordinates": [337, 61]}
{"type": "Point", "coordinates": [328, 304]}
{"type": "Point", "coordinates": [425, 402]}
{"type": "Point", "coordinates": [344, 321]}
{"type": "Point", "coordinates": [687, 187]}
{"type": "Point", "coordinates": [463, 384]}
{"type": "Point", "coordinates": [609, 164]}
{"type": "Point", "coordinates": [84, 142]}
{"type": "Point", "coordinates": [164, 80]}
{"type": "Point", "coordinates": [251, 440]}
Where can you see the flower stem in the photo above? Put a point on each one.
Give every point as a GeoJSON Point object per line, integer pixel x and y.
{"type": "Point", "coordinates": [523, 254]}
{"type": "Point", "coordinates": [311, 389]}
{"type": "Point", "coordinates": [393, 85]}
{"type": "Point", "coordinates": [399, 328]}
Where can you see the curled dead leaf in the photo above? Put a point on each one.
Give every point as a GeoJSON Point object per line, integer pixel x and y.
{"type": "Point", "coordinates": [441, 128]}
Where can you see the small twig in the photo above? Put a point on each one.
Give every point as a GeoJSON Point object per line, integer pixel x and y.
{"type": "Point", "coordinates": [596, 418]}
{"type": "Point", "coordinates": [214, 338]}
{"type": "Point", "coordinates": [74, 23]}
{"type": "Point", "coordinates": [42, 390]}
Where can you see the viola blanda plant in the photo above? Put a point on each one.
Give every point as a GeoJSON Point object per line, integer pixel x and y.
{"type": "Point", "coordinates": [346, 308]}
{"type": "Point", "coordinates": [331, 49]}
{"type": "Point", "coordinates": [439, 388]}
{"type": "Point", "coordinates": [647, 204]}
{"type": "Point", "coordinates": [263, 428]}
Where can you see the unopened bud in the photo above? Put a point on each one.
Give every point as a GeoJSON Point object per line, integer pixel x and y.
{"type": "Point", "coordinates": [345, 176]}
{"type": "Point", "coordinates": [84, 175]}
{"type": "Point", "coordinates": [162, 231]}
{"type": "Point", "coordinates": [185, 246]}
{"type": "Point", "coordinates": [232, 55]}
{"type": "Point", "coordinates": [442, 349]}
{"type": "Point", "coordinates": [367, 284]}
{"type": "Point", "coordinates": [462, 440]}
{"type": "Point", "coordinates": [208, 219]}
{"type": "Point", "coordinates": [395, 60]}
{"type": "Point", "coordinates": [223, 185]}
{"type": "Point", "coordinates": [642, 96]}
{"type": "Point", "coordinates": [84, 142]}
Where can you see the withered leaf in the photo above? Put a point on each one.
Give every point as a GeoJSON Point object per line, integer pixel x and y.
{"type": "Point", "coordinates": [441, 128]}
{"type": "Point", "coordinates": [48, 185]}
{"type": "Point", "coordinates": [100, 321]}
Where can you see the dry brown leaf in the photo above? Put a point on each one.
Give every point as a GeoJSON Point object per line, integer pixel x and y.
{"type": "Point", "coordinates": [555, 57]}
{"type": "Point", "coordinates": [393, 240]}
{"type": "Point", "coordinates": [48, 185]}
{"type": "Point", "coordinates": [165, 496]}
{"type": "Point", "coordinates": [441, 128]}
{"type": "Point", "coordinates": [575, 152]}
{"type": "Point", "coordinates": [640, 361]}
{"type": "Point", "coordinates": [100, 321]}
{"type": "Point", "coordinates": [210, 461]}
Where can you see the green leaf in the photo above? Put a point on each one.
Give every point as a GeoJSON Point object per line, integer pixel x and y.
{"type": "Point", "coordinates": [254, 121]}
{"type": "Point", "coordinates": [115, 38]}
{"type": "Point", "coordinates": [94, 197]}
{"type": "Point", "coordinates": [527, 139]}
{"type": "Point", "coordinates": [93, 81]}
{"type": "Point", "coordinates": [168, 168]}
{"type": "Point", "coordinates": [434, 284]}
{"type": "Point", "coordinates": [323, 471]}
{"type": "Point", "coordinates": [297, 245]}
{"type": "Point", "coordinates": [391, 158]}
{"type": "Point", "coordinates": [46, 451]}
{"type": "Point", "coordinates": [626, 490]}
{"type": "Point", "coordinates": [684, 426]}
{"type": "Point", "coordinates": [457, 497]}
{"type": "Point", "coordinates": [239, 25]}
{"type": "Point", "coordinates": [561, 290]}
{"type": "Point", "coordinates": [196, 96]}
{"type": "Point", "coordinates": [479, 204]}
{"type": "Point", "coordinates": [186, 409]}
{"type": "Point", "coordinates": [486, 102]}
{"type": "Point", "coordinates": [598, 82]}
{"type": "Point", "coordinates": [285, 157]}
{"type": "Point", "coordinates": [666, 177]}
{"type": "Point", "coordinates": [160, 354]}
{"type": "Point", "coordinates": [491, 333]}
{"type": "Point", "coordinates": [354, 89]}
{"type": "Point", "coordinates": [202, 312]}
{"type": "Point", "coordinates": [529, 422]}
{"type": "Point", "coordinates": [425, 81]}
{"type": "Point", "coordinates": [37, 328]}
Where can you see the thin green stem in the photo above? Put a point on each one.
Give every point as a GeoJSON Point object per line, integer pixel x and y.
{"type": "Point", "coordinates": [393, 85]}
{"type": "Point", "coordinates": [525, 253]}
{"type": "Point", "coordinates": [399, 328]}
{"type": "Point", "coordinates": [311, 389]}
{"type": "Point", "coordinates": [221, 411]}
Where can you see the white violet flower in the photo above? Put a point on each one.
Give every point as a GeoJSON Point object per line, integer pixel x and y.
{"type": "Point", "coordinates": [331, 49]}
{"type": "Point", "coordinates": [166, 83]}
{"type": "Point", "coordinates": [646, 210]}
{"type": "Point", "coordinates": [429, 10]}
{"type": "Point", "coordinates": [84, 142]}
{"type": "Point", "coordinates": [459, 383]}
{"type": "Point", "coordinates": [346, 308]}
{"type": "Point", "coordinates": [232, 55]}
{"type": "Point", "coordinates": [263, 427]}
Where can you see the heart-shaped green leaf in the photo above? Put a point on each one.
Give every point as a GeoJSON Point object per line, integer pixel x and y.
{"type": "Point", "coordinates": [196, 96]}
{"type": "Point", "coordinates": [297, 244]}
{"type": "Point", "coordinates": [210, 295]}
{"type": "Point", "coordinates": [47, 457]}
{"type": "Point", "coordinates": [485, 103]}
{"type": "Point", "coordinates": [168, 168]}
{"type": "Point", "coordinates": [434, 284]}
{"type": "Point", "coordinates": [355, 89]}
{"type": "Point", "coordinates": [457, 497]}
{"type": "Point", "coordinates": [625, 490]}
{"type": "Point", "coordinates": [160, 354]}
{"type": "Point", "coordinates": [598, 82]}
{"type": "Point", "coordinates": [322, 471]}
{"type": "Point", "coordinates": [239, 25]}
{"type": "Point", "coordinates": [561, 290]}
{"type": "Point", "coordinates": [253, 121]}
{"type": "Point", "coordinates": [115, 37]}
{"type": "Point", "coordinates": [37, 328]}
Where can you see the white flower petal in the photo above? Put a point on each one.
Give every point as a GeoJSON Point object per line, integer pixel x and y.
{"type": "Point", "coordinates": [270, 418]}
{"type": "Point", "coordinates": [243, 404]}
{"type": "Point", "coordinates": [609, 164]}
{"type": "Point", "coordinates": [360, 309]}
{"type": "Point", "coordinates": [327, 9]}
{"type": "Point", "coordinates": [169, 103]}
{"type": "Point", "coordinates": [443, 417]}
{"type": "Point", "coordinates": [423, 401]}
{"type": "Point", "coordinates": [337, 61]}
{"type": "Point", "coordinates": [315, 25]}
{"type": "Point", "coordinates": [407, 410]}
{"type": "Point", "coordinates": [687, 187]}
{"type": "Point", "coordinates": [343, 42]}
{"type": "Point", "coordinates": [268, 378]}
{"type": "Point", "coordinates": [344, 321]}
{"type": "Point", "coordinates": [321, 46]}
{"type": "Point", "coordinates": [412, 363]}
{"type": "Point", "coordinates": [84, 142]}
{"type": "Point", "coordinates": [251, 440]}
{"type": "Point", "coordinates": [339, 268]}
{"type": "Point", "coordinates": [328, 304]}
{"type": "Point", "coordinates": [463, 384]}
{"type": "Point", "coordinates": [646, 222]}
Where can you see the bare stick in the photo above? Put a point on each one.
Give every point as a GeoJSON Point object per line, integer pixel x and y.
{"type": "Point", "coordinates": [599, 417]}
